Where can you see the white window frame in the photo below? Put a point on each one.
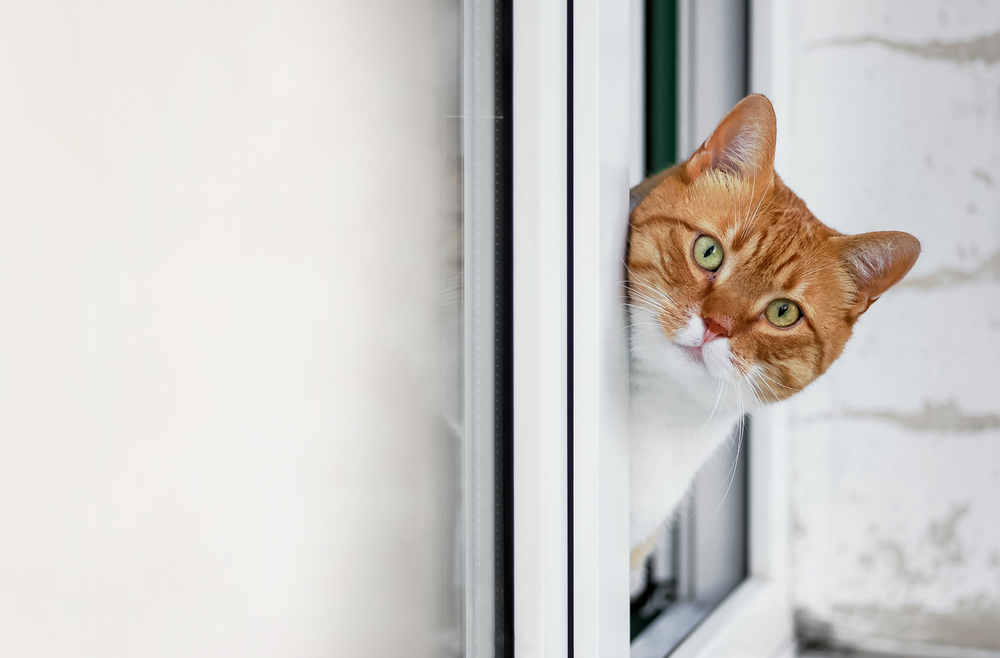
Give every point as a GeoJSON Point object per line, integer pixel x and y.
{"type": "Point", "coordinates": [756, 618]}
{"type": "Point", "coordinates": [601, 150]}
{"type": "Point", "coordinates": [541, 579]}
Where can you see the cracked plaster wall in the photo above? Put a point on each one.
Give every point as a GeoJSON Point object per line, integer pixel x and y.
{"type": "Point", "coordinates": [895, 470]}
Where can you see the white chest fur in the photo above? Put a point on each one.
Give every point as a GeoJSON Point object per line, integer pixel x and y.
{"type": "Point", "coordinates": [680, 412]}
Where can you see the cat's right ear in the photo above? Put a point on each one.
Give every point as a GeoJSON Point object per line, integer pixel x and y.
{"type": "Point", "coordinates": [743, 142]}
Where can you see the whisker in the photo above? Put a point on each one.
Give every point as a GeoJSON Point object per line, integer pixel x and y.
{"type": "Point", "coordinates": [656, 308]}
{"type": "Point", "coordinates": [758, 398]}
{"type": "Point", "coordinates": [653, 293]}
{"type": "Point", "coordinates": [642, 286]}
{"type": "Point", "coordinates": [724, 389]}
{"type": "Point", "coordinates": [775, 382]}
{"type": "Point", "coordinates": [656, 304]}
{"type": "Point", "coordinates": [739, 446]}
{"type": "Point", "coordinates": [776, 398]}
{"type": "Point", "coordinates": [715, 408]}
{"type": "Point", "coordinates": [639, 280]}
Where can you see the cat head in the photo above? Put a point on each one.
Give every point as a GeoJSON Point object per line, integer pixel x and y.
{"type": "Point", "coordinates": [731, 268]}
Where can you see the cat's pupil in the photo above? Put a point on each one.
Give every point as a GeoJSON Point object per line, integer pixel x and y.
{"type": "Point", "coordinates": [710, 251]}
{"type": "Point", "coordinates": [782, 310]}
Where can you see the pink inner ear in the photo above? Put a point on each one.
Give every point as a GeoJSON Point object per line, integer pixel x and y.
{"type": "Point", "coordinates": [879, 261]}
{"type": "Point", "coordinates": [735, 146]}
{"type": "Point", "coordinates": [743, 142]}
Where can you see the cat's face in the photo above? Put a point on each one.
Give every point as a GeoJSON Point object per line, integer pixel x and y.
{"type": "Point", "coordinates": [736, 272]}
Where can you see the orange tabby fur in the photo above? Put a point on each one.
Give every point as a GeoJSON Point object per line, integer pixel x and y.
{"type": "Point", "coordinates": [773, 246]}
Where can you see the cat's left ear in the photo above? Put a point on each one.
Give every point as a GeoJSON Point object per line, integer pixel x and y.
{"type": "Point", "coordinates": [877, 261]}
{"type": "Point", "coordinates": [743, 143]}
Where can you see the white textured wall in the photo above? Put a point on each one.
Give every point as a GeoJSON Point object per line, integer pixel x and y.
{"type": "Point", "coordinates": [217, 223]}
{"type": "Point", "coordinates": [895, 124]}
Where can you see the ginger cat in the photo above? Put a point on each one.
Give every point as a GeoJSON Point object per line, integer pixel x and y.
{"type": "Point", "coordinates": [737, 293]}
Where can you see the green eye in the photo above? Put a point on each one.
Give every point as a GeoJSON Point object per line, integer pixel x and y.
{"type": "Point", "coordinates": [708, 253]}
{"type": "Point", "coordinates": [782, 312]}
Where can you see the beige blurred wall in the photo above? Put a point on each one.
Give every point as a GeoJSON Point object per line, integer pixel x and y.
{"type": "Point", "coordinates": [894, 123]}
{"type": "Point", "coordinates": [217, 222]}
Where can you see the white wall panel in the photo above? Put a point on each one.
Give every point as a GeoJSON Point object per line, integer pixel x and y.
{"type": "Point", "coordinates": [894, 123]}
{"type": "Point", "coordinates": [212, 441]}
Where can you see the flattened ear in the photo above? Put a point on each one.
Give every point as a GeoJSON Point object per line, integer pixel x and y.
{"type": "Point", "coordinates": [743, 143]}
{"type": "Point", "coordinates": [877, 261]}
{"type": "Point", "coordinates": [642, 190]}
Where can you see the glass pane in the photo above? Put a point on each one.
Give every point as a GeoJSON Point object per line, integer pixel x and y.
{"type": "Point", "coordinates": [474, 306]}
{"type": "Point", "coordinates": [700, 556]}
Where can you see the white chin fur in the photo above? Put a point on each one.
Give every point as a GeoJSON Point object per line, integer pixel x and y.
{"type": "Point", "coordinates": [674, 393]}
{"type": "Point", "coordinates": [719, 359]}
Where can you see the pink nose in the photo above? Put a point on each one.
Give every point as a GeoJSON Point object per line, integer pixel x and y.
{"type": "Point", "coordinates": [717, 326]}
